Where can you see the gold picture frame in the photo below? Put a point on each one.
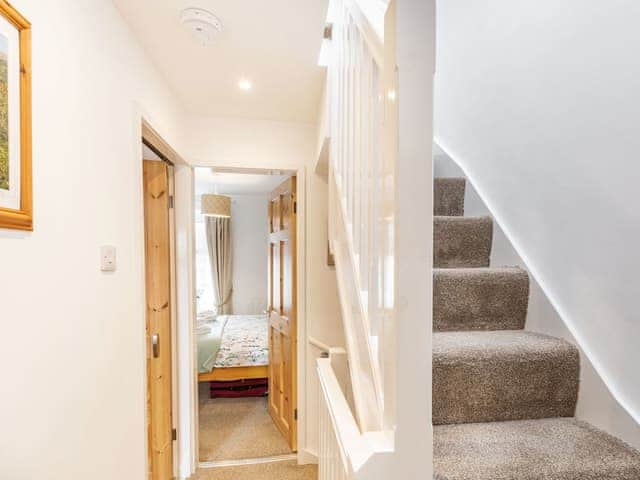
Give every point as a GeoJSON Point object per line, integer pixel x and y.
{"type": "Point", "coordinates": [20, 218]}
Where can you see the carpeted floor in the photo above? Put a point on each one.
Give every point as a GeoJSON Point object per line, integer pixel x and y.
{"type": "Point", "coordinates": [503, 397]}
{"type": "Point", "coordinates": [237, 428]}
{"type": "Point", "coordinates": [264, 471]}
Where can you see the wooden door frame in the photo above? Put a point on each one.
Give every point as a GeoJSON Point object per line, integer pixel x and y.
{"type": "Point", "coordinates": [182, 288]}
{"type": "Point", "coordinates": [185, 409]}
{"type": "Point", "coordinates": [301, 337]}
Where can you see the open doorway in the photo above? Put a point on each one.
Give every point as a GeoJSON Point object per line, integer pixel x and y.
{"type": "Point", "coordinates": [246, 289]}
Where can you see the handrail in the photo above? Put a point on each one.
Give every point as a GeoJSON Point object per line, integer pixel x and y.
{"type": "Point", "coordinates": [365, 372]}
{"type": "Point", "coordinates": [318, 344]}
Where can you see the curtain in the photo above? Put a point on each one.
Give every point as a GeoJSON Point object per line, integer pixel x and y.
{"type": "Point", "coordinates": [219, 245]}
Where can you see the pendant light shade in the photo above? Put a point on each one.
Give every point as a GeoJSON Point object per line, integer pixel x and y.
{"type": "Point", "coordinates": [216, 205]}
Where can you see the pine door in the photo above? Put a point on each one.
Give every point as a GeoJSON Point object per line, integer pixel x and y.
{"type": "Point", "coordinates": [158, 321]}
{"type": "Point", "coordinates": [282, 309]}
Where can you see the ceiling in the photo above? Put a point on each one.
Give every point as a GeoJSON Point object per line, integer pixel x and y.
{"type": "Point", "coordinates": [273, 43]}
{"type": "Point", "coordinates": [206, 181]}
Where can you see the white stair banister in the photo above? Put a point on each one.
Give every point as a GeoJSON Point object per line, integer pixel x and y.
{"type": "Point", "coordinates": [379, 181]}
{"type": "Point", "coordinates": [360, 236]}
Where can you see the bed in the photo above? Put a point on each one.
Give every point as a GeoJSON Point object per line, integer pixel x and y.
{"type": "Point", "coordinates": [232, 347]}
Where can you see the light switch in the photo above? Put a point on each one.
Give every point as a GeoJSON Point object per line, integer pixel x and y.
{"type": "Point", "coordinates": [108, 258]}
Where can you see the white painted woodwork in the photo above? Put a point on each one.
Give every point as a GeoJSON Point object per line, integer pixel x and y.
{"type": "Point", "coordinates": [380, 233]}
{"type": "Point", "coordinates": [360, 233]}
{"type": "Point", "coordinates": [343, 449]}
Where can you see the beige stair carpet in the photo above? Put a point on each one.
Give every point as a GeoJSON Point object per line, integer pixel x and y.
{"type": "Point", "coordinates": [503, 397]}
{"type": "Point", "coordinates": [548, 449]}
{"type": "Point", "coordinates": [503, 375]}
{"type": "Point", "coordinates": [448, 195]}
{"type": "Point", "coordinates": [460, 242]}
{"type": "Point", "coordinates": [480, 298]}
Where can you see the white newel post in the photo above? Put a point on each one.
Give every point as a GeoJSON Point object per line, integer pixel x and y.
{"type": "Point", "coordinates": [415, 36]}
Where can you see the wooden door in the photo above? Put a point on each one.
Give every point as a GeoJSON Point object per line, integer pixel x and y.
{"type": "Point", "coordinates": [158, 319]}
{"type": "Point", "coordinates": [282, 309]}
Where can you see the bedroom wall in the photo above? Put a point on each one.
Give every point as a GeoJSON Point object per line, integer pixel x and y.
{"type": "Point", "coordinates": [239, 142]}
{"type": "Point", "coordinates": [539, 101]}
{"type": "Point", "coordinates": [72, 344]}
{"type": "Point", "coordinates": [249, 238]}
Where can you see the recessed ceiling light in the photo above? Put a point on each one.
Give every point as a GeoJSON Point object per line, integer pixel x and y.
{"type": "Point", "coordinates": [244, 84]}
{"type": "Point", "coordinates": [202, 24]}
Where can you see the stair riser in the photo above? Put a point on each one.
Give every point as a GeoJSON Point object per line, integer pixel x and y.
{"type": "Point", "coordinates": [448, 196]}
{"type": "Point", "coordinates": [461, 242]}
{"type": "Point", "coordinates": [501, 389]}
{"type": "Point", "coordinates": [486, 299]}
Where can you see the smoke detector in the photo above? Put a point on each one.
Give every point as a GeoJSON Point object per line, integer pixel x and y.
{"type": "Point", "coordinates": [202, 24]}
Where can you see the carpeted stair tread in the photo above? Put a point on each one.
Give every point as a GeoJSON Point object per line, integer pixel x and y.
{"type": "Point", "coordinates": [502, 397]}
{"type": "Point", "coordinates": [480, 298]}
{"type": "Point", "coordinates": [461, 242]}
{"type": "Point", "coordinates": [502, 375]}
{"type": "Point", "coordinates": [548, 449]}
{"type": "Point", "coordinates": [448, 196]}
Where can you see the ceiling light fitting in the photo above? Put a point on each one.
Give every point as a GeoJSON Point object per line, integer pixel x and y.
{"type": "Point", "coordinates": [244, 84]}
{"type": "Point", "coordinates": [202, 24]}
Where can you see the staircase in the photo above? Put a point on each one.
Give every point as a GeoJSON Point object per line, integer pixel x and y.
{"type": "Point", "coordinates": [503, 398]}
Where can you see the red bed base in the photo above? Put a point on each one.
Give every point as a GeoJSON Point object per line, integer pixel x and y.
{"type": "Point", "coordinates": [254, 387]}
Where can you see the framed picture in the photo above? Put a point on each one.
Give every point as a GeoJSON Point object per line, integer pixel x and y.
{"type": "Point", "coordinates": [16, 204]}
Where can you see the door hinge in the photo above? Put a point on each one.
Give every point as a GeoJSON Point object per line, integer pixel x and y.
{"type": "Point", "coordinates": [295, 414]}
{"type": "Point", "coordinates": [174, 434]}
{"type": "Point", "coordinates": [295, 207]}
{"type": "Point", "coordinates": [170, 201]}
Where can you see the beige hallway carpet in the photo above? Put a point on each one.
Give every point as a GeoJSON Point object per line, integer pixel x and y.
{"type": "Point", "coordinates": [238, 428]}
{"type": "Point", "coordinates": [264, 471]}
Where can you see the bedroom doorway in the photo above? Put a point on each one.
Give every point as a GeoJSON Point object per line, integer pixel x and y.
{"type": "Point", "coordinates": [246, 315]}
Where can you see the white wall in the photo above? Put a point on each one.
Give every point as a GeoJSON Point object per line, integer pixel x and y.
{"type": "Point", "coordinates": [249, 239]}
{"type": "Point", "coordinates": [240, 142]}
{"type": "Point", "coordinates": [72, 346]}
{"type": "Point", "coordinates": [539, 102]}
{"type": "Point", "coordinates": [322, 298]}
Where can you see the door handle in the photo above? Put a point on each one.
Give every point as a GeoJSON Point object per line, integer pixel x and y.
{"type": "Point", "coordinates": [155, 345]}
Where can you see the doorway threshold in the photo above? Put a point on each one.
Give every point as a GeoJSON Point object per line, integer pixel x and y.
{"type": "Point", "coordinates": [248, 461]}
